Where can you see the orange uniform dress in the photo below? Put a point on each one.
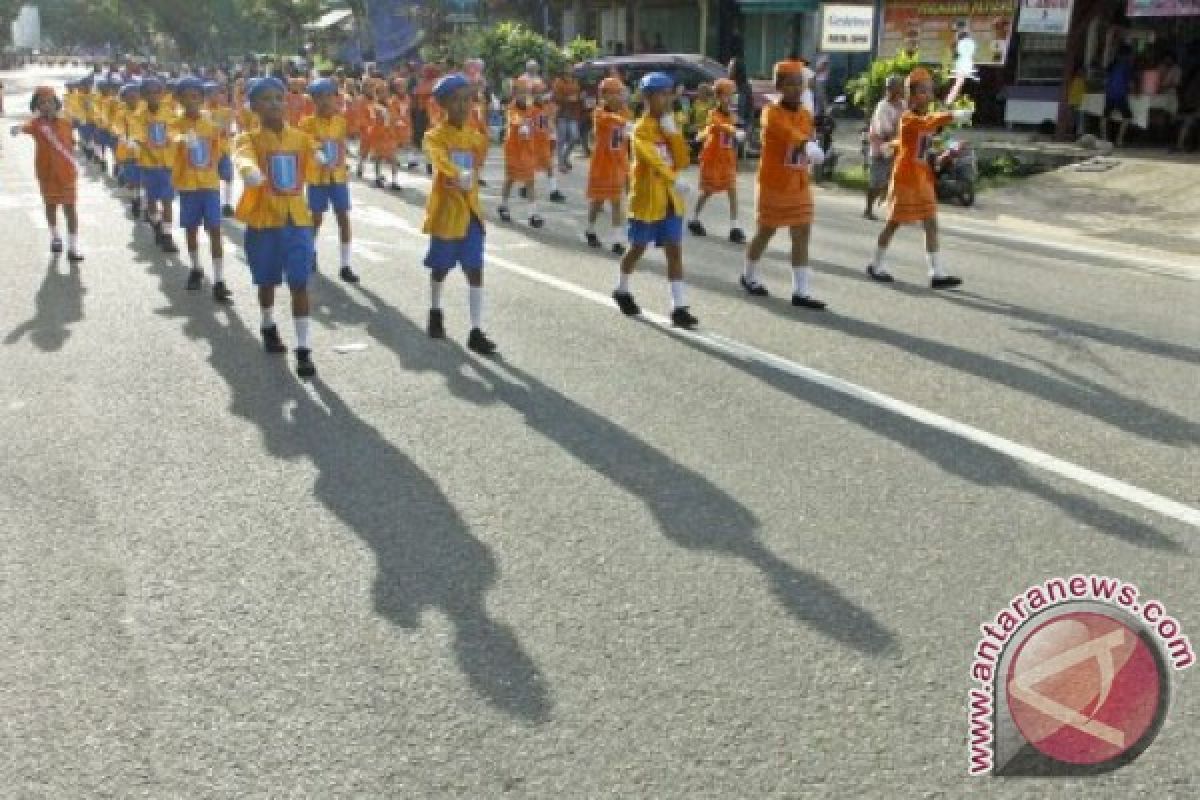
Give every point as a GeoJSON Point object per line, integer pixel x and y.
{"type": "Point", "coordinates": [718, 157]}
{"type": "Point", "coordinates": [297, 106]}
{"type": "Point", "coordinates": [380, 134]}
{"type": "Point", "coordinates": [913, 196]}
{"type": "Point", "coordinates": [784, 196]}
{"type": "Point", "coordinates": [359, 120]}
{"type": "Point", "coordinates": [520, 156]}
{"type": "Point", "coordinates": [52, 161]}
{"type": "Point", "coordinates": [543, 136]}
{"type": "Point", "coordinates": [400, 119]}
{"type": "Point", "coordinates": [608, 174]}
{"type": "Point", "coordinates": [477, 119]}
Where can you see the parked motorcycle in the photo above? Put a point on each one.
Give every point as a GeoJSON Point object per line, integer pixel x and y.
{"type": "Point", "coordinates": [955, 171]}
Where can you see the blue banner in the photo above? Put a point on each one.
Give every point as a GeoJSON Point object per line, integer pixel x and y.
{"type": "Point", "coordinates": [395, 25]}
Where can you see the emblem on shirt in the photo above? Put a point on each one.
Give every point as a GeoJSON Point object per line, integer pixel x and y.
{"type": "Point", "coordinates": [283, 173]}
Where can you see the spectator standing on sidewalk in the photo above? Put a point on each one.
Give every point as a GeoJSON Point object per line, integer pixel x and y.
{"type": "Point", "coordinates": [1117, 84]}
{"type": "Point", "coordinates": [568, 97]}
{"type": "Point", "coordinates": [885, 123]}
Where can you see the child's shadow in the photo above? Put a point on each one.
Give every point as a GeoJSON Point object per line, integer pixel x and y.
{"type": "Point", "coordinates": [58, 304]}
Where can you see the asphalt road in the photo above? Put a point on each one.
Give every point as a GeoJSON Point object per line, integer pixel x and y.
{"type": "Point", "coordinates": [615, 560]}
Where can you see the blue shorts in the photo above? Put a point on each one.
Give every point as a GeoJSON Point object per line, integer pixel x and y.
{"type": "Point", "coordinates": [131, 173]}
{"type": "Point", "coordinates": [157, 183]}
{"type": "Point", "coordinates": [320, 198]}
{"type": "Point", "coordinates": [276, 253]}
{"type": "Point", "coordinates": [87, 131]}
{"type": "Point", "coordinates": [200, 208]}
{"type": "Point", "coordinates": [668, 230]}
{"type": "Point", "coordinates": [446, 254]}
{"type": "Point", "coordinates": [225, 169]}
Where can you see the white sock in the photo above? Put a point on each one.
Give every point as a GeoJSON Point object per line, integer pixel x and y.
{"type": "Point", "coordinates": [553, 182]}
{"type": "Point", "coordinates": [677, 300]}
{"type": "Point", "coordinates": [268, 317]}
{"type": "Point", "coordinates": [879, 262]}
{"type": "Point", "coordinates": [800, 278]}
{"type": "Point", "coordinates": [935, 265]}
{"type": "Point", "coordinates": [345, 249]}
{"type": "Point", "coordinates": [72, 242]}
{"type": "Point", "coordinates": [750, 271]}
{"type": "Point", "coordinates": [227, 194]}
{"type": "Point", "coordinates": [475, 301]}
{"type": "Point", "coordinates": [435, 294]}
{"type": "Point", "coordinates": [622, 282]}
{"type": "Point", "coordinates": [733, 219]}
{"type": "Point", "coordinates": [218, 269]}
{"type": "Point", "coordinates": [591, 228]}
{"type": "Point", "coordinates": [194, 257]}
{"type": "Point", "coordinates": [303, 332]}
{"type": "Point", "coordinates": [54, 233]}
{"type": "Point", "coordinates": [533, 208]}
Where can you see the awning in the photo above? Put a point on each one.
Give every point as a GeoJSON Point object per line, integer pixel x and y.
{"type": "Point", "coordinates": [330, 20]}
{"type": "Point", "coordinates": [777, 6]}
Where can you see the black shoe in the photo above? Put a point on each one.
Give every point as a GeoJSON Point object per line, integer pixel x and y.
{"type": "Point", "coordinates": [478, 342]}
{"type": "Point", "coordinates": [195, 279]}
{"type": "Point", "coordinates": [756, 289]}
{"type": "Point", "coordinates": [396, 187]}
{"type": "Point", "coordinates": [437, 326]}
{"type": "Point", "coordinates": [483, 183]}
{"type": "Point", "coordinates": [626, 303]}
{"type": "Point", "coordinates": [227, 211]}
{"type": "Point", "coordinates": [347, 275]}
{"type": "Point", "coordinates": [167, 243]}
{"type": "Point", "coordinates": [536, 221]}
{"type": "Point", "coordinates": [682, 318]}
{"type": "Point", "coordinates": [618, 249]}
{"type": "Point", "coordinates": [868, 214]}
{"type": "Point", "coordinates": [876, 275]}
{"type": "Point", "coordinates": [807, 302]}
{"type": "Point", "coordinates": [304, 366]}
{"type": "Point", "coordinates": [593, 240]}
{"type": "Point", "coordinates": [557, 197]}
{"type": "Point", "coordinates": [56, 245]}
{"type": "Point", "coordinates": [412, 165]}
{"type": "Point", "coordinates": [316, 263]}
{"type": "Point", "coordinates": [380, 183]}
{"type": "Point", "coordinates": [697, 227]}
{"type": "Point", "coordinates": [737, 236]}
{"type": "Point", "coordinates": [221, 293]}
{"type": "Point", "coordinates": [429, 170]}
{"type": "Point", "coordinates": [135, 207]}
{"type": "Point", "coordinates": [271, 340]}
{"type": "Point", "coordinates": [74, 257]}
{"type": "Point", "coordinates": [522, 192]}
{"type": "Point", "coordinates": [504, 214]}
{"type": "Point", "coordinates": [945, 282]}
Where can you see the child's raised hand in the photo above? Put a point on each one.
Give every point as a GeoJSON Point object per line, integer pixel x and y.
{"type": "Point", "coordinates": [814, 153]}
{"type": "Point", "coordinates": [253, 177]}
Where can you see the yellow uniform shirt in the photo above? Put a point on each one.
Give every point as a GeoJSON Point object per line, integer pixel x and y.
{"type": "Point", "coordinates": [330, 135]}
{"type": "Point", "coordinates": [283, 159]}
{"type": "Point", "coordinates": [87, 107]}
{"type": "Point", "coordinates": [73, 106]}
{"type": "Point", "coordinates": [152, 132]}
{"type": "Point", "coordinates": [123, 126]}
{"type": "Point", "coordinates": [657, 161]}
{"type": "Point", "coordinates": [453, 150]}
{"type": "Point", "coordinates": [195, 165]}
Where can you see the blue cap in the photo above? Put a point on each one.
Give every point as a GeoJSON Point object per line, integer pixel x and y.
{"type": "Point", "coordinates": [449, 84]}
{"type": "Point", "coordinates": [128, 89]}
{"type": "Point", "coordinates": [211, 87]}
{"type": "Point", "coordinates": [656, 82]}
{"type": "Point", "coordinates": [260, 85]}
{"type": "Point", "coordinates": [323, 86]}
{"type": "Point", "coordinates": [87, 80]}
{"type": "Point", "coordinates": [187, 84]}
{"type": "Point", "coordinates": [152, 82]}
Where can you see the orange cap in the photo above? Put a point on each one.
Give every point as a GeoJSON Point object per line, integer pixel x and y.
{"type": "Point", "coordinates": [789, 67]}
{"type": "Point", "coordinates": [611, 85]}
{"type": "Point", "coordinates": [918, 75]}
{"type": "Point", "coordinates": [725, 86]}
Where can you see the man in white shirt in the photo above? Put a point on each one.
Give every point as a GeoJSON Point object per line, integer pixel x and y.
{"type": "Point", "coordinates": [885, 124]}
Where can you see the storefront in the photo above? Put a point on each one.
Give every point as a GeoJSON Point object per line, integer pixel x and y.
{"type": "Point", "coordinates": [774, 29]}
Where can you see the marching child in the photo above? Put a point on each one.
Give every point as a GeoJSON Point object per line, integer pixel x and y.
{"type": "Point", "coordinates": [520, 153]}
{"type": "Point", "coordinates": [156, 156]}
{"type": "Point", "coordinates": [544, 137]}
{"type": "Point", "coordinates": [327, 182]}
{"type": "Point", "coordinates": [656, 205]}
{"type": "Point", "coordinates": [273, 162]}
{"type": "Point", "coordinates": [913, 196]}
{"type": "Point", "coordinates": [453, 215]}
{"type": "Point", "coordinates": [608, 174]}
{"type": "Point", "coordinates": [785, 197]}
{"type": "Point", "coordinates": [127, 157]}
{"type": "Point", "coordinates": [399, 120]}
{"type": "Point", "coordinates": [199, 145]}
{"type": "Point", "coordinates": [55, 166]}
{"type": "Point", "coordinates": [221, 114]}
{"type": "Point", "coordinates": [106, 108]}
{"type": "Point", "coordinates": [718, 160]}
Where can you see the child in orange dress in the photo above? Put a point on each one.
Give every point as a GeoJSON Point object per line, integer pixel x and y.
{"type": "Point", "coordinates": [545, 137]}
{"type": "Point", "coordinates": [399, 120]}
{"type": "Point", "coordinates": [297, 105]}
{"type": "Point", "coordinates": [361, 110]}
{"type": "Point", "coordinates": [55, 166]}
{"type": "Point", "coordinates": [608, 174]}
{"type": "Point", "coordinates": [520, 154]}
{"type": "Point", "coordinates": [913, 197]}
{"type": "Point", "coordinates": [785, 198]}
{"type": "Point", "coordinates": [718, 160]}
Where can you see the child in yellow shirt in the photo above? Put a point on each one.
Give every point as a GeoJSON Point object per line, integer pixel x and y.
{"type": "Point", "coordinates": [327, 184]}
{"type": "Point", "coordinates": [453, 215]}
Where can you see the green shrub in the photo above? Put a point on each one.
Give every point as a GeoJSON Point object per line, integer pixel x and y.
{"type": "Point", "coordinates": [866, 90]}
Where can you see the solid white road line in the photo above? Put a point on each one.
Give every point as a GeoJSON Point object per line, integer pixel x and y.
{"type": "Point", "coordinates": [1018, 452]}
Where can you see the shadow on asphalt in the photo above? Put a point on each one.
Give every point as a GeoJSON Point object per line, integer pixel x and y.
{"type": "Point", "coordinates": [58, 304]}
{"type": "Point", "coordinates": [965, 459]}
{"type": "Point", "coordinates": [690, 510]}
{"type": "Point", "coordinates": [425, 554]}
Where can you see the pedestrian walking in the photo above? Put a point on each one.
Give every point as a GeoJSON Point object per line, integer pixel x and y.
{"type": "Point", "coordinates": [55, 167]}
{"type": "Point", "coordinates": [881, 133]}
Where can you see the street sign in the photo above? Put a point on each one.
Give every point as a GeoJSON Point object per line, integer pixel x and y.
{"type": "Point", "coordinates": [846, 28]}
